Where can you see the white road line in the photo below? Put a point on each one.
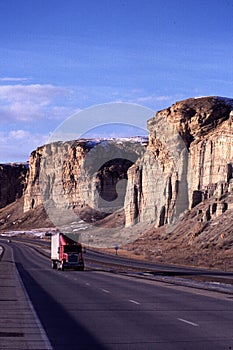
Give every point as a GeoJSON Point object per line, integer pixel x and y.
{"type": "Point", "coordinates": [87, 284]}
{"type": "Point", "coordinates": [33, 311]}
{"type": "Point", "coordinates": [105, 291]}
{"type": "Point", "coordinates": [134, 302]}
{"type": "Point", "coordinates": [188, 322]}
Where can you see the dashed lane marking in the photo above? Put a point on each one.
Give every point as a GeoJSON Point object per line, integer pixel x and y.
{"type": "Point", "coordinates": [134, 302]}
{"type": "Point", "coordinates": [105, 291]}
{"type": "Point", "coordinates": [188, 322]}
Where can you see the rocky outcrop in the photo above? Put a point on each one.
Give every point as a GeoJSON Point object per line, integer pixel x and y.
{"type": "Point", "coordinates": [189, 158]}
{"type": "Point", "coordinates": [69, 176]}
{"type": "Point", "coordinates": [183, 176]}
{"type": "Point", "coordinates": [45, 165]}
{"type": "Point", "coordinates": [192, 241]}
{"type": "Point", "coordinates": [12, 182]}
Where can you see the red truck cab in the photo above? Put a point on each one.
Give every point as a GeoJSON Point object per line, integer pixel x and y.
{"type": "Point", "coordinates": [66, 253]}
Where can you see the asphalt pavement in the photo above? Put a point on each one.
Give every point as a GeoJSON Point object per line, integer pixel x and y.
{"type": "Point", "coordinates": [20, 327]}
{"type": "Point", "coordinates": [98, 310]}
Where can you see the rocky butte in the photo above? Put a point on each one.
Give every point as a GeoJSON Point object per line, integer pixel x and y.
{"type": "Point", "coordinates": [189, 159]}
{"type": "Point", "coordinates": [81, 175]}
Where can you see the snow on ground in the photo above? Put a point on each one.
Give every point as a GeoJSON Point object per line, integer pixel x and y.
{"type": "Point", "coordinates": [214, 286]}
{"type": "Point", "coordinates": [37, 233]}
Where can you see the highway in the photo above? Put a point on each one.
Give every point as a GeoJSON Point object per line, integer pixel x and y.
{"type": "Point", "coordinates": [98, 310]}
{"type": "Point", "coordinates": [156, 268]}
{"type": "Point", "coordinates": [115, 262]}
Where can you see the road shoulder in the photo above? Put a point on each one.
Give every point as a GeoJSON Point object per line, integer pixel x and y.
{"type": "Point", "coordinates": [19, 324]}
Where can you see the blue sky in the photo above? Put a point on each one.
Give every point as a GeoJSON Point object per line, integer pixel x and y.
{"type": "Point", "coordinates": [61, 56]}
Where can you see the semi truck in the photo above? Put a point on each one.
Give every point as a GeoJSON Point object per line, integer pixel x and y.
{"type": "Point", "coordinates": [66, 253]}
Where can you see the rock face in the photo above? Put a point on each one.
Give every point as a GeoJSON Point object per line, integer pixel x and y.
{"type": "Point", "coordinates": [84, 173]}
{"type": "Point", "coordinates": [189, 158]}
{"type": "Point", "coordinates": [12, 182]}
{"type": "Point", "coordinates": [182, 175]}
{"type": "Point", "coordinates": [45, 163]}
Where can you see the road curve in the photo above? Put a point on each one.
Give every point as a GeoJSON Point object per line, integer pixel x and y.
{"type": "Point", "coordinates": [96, 310]}
{"type": "Point", "coordinates": [99, 259]}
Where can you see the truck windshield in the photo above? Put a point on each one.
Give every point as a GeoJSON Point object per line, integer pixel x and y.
{"type": "Point", "coordinates": [72, 249]}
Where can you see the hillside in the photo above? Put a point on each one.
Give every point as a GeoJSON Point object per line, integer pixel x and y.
{"type": "Point", "coordinates": [191, 240]}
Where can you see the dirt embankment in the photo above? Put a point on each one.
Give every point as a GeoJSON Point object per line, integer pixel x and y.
{"type": "Point", "coordinates": [12, 217]}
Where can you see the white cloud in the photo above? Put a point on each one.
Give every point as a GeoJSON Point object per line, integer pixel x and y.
{"type": "Point", "coordinates": [164, 98]}
{"type": "Point", "coordinates": [14, 79]}
{"type": "Point", "coordinates": [19, 134]}
{"type": "Point", "coordinates": [29, 102]}
{"type": "Point", "coordinates": [30, 111]}
{"type": "Point", "coordinates": [16, 145]}
{"type": "Point", "coordinates": [34, 92]}
{"type": "Point", "coordinates": [59, 112]}
{"type": "Point", "coordinates": [6, 138]}
{"type": "Point", "coordinates": [153, 101]}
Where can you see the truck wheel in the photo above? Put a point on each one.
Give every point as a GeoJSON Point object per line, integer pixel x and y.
{"type": "Point", "coordinates": [54, 265]}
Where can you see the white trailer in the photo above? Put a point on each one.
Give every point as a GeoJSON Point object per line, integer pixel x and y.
{"type": "Point", "coordinates": [66, 253]}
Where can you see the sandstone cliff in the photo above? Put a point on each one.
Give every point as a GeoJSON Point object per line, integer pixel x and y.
{"type": "Point", "coordinates": [68, 177]}
{"type": "Point", "coordinates": [183, 176]}
{"type": "Point", "coordinates": [189, 158]}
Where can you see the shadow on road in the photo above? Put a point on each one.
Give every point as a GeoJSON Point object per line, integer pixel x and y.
{"type": "Point", "coordinates": [62, 330]}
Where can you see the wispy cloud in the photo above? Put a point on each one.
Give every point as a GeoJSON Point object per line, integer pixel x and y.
{"type": "Point", "coordinates": [27, 114]}
{"type": "Point", "coordinates": [153, 100]}
{"type": "Point", "coordinates": [26, 103]}
{"type": "Point", "coordinates": [14, 79]}
{"type": "Point", "coordinates": [17, 145]}
{"type": "Point", "coordinates": [18, 135]}
{"type": "Point", "coordinates": [30, 112]}
{"type": "Point", "coordinates": [35, 92]}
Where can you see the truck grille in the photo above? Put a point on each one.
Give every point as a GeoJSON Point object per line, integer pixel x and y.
{"type": "Point", "coordinates": [72, 258]}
